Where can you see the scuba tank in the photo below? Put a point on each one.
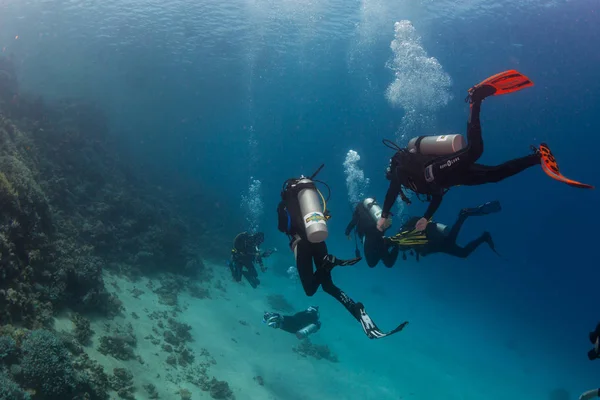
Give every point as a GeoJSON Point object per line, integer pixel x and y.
{"type": "Point", "coordinates": [436, 145]}
{"type": "Point", "coordinates": [311, 211]}
{"type": "Point", "coordinates": [373, 209]}
{"type": "Point", "coordinates": [443, 229]}
{"type": "Point", "coordinates": [315, 224]}
{"type": "Point", "coordinates": [307, 330]}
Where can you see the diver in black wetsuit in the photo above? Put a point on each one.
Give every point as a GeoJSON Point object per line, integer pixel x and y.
{"type": "Point", "coordinates": [433, 175]}
{"type": "Point", "coordinates": [294, 220]}
{"type": "Point", "coordinates": [442, 239]}
{"type": "Point", "coordinates": [302, 324]}
{"type": "Point", "coordinates": [246, 252]}
{"type": "Point", "coordinates": [364, 224]}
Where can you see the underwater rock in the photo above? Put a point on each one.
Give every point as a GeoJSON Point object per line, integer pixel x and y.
{"type": "Point", "coordinates": [170, 286]}
{"type": "Point", "coordinates": [151, 389]}
{"type": "Point", "coordinates": [119, 347]}
{"type": "Point", "coordinates": [185, 394]}
{"type": "Point", "coordinates": [220, 390]}
{"type": "Point", "coordinates": [83, 330]}
{"type": "Point", "coordinates": [122, 382]}
{"type": "Point", "coordinates": [172, 360]}
{"type": "Point", "coordinates": [186, 357]}
{"type": "Point", "coordinates": [260, 380]}
{"type": "Point", "coordinates": [307, 349]}
{"type": "Point", "coordinates": [198, 291]}
{"type": "Point", "coordinates": [279, 303]}
{"type": "Point", "coordinates": [181, 330]}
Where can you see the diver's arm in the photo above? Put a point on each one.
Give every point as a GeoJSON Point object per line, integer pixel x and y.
{"type": "Point", "coordinates": [433, 206]}
{"type": "Point", "coordinates": [390, 198]}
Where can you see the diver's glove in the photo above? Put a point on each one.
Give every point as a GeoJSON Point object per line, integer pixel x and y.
{"type": "Point", "coordinates": [272, 319]}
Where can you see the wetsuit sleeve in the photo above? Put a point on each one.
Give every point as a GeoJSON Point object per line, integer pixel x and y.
{"type": "Point", "coordinates": [352, 223]}
{"type": "Point", "coordinates": [433, 206]}
{"type": "Point", "coordinates": [390, 197]}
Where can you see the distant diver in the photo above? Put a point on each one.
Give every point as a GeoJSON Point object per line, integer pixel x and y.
{"type": "Point", "coordinates": [593, 354]}
{"type": "Point", "coordinates": [245, 252]}
{"type": "Point", "coordinates": [304, 220]}
{"type": "Point", "coordinates": [430, 165]}
{"type": "Point", "coordinates": [364, 223]}
{"type": "Point", "coordinates": [439, 238]}
{"type": "Point", "coordinates": [302, 324]}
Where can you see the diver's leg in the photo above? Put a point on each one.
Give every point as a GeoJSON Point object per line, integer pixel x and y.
{"type": "Point", "coordinates": [389, 256]}
{"type": "Point", "coordinates": [464, 252]}
{"type": "Point", "coordinates": [304, 263]}
{"type": "Point", "coordinates": [251, 275]}
{"type": "Point", "coordinates": [236, 270]}
{"type": "Point", "coordinates": [455, 230]}
{"type": "Point", "coordinates": [447, 170]}
{"type": "Point", "coordinates": [372, 251]}
{"type": "Point", "coordinates": [330, 288]}
{"type": "Point", "coordinates": [481, 174]}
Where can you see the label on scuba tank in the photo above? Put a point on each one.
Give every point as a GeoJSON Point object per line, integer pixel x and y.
{"type": "Point", "coordinates": [314, 218]}
{"type": "Point", "coordinates": [441, 138]}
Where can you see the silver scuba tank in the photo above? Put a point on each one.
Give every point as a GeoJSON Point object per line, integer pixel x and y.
{"type": "Point", "coordinates": [441, 228]}
{"type": "Point", "coordinates": [307, 330]}
{"type": "Point", "coordinates": [436, 145]}
{"type": "Point", "coordinates": [373, 209]}
{"type": "Point", "coordinates": [315, 224]}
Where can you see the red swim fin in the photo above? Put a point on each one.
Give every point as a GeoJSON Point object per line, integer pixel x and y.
{"type": "Point", "coordinates": [504, 82]}
{"type": "Point", "coordinates": [550, 167]}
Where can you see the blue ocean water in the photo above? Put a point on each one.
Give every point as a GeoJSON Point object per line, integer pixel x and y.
{"type": "Point", "coordinates": [227, 93]}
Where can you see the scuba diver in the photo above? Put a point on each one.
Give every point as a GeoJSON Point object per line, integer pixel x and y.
{"type": "Point", "coordinates": [431, 165]}
{"type": "Point", "coordinates": [593, 355]}
{"type": "Point", "coordinates": [438, 238]}
{"type": "Point", "coordinates": [303, 219]}
{"type": "Point", "coordinates": [246, 252]}
{"type": "Point", "coordinates": [302, 324]}
{"type": "Point", "coordinates": [364, 223]}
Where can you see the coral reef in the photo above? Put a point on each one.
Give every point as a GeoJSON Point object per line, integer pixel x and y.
{"type": "Point", "coordinates": [9, 390]}
{"type": "Point", "coordinates": [120, 343]}
{"type": "Point", "coordinates": [83, 331]}
{"type": "Point", "coordinates": [308, 349]}
{"type": "Point", "coordinates": [8, 350]}
{"type": "Point", "coordinates": [122, 382]}
{"type": "Point", "coordinates": [73, 206]}
{"type": "Point", "coordinates": [151, 389]}
{"type": "Point", "coordinates": [46, 366]}
{"type": "Point", "coordinates": [220, 390]}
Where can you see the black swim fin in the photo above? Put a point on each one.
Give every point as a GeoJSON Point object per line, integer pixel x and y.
{"type": "Point", "coordinates": [484, 209]}
{"type": "Point", "coordinates": [490, 242]}
{"type": "Point", "coordinates": [369, 327]}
